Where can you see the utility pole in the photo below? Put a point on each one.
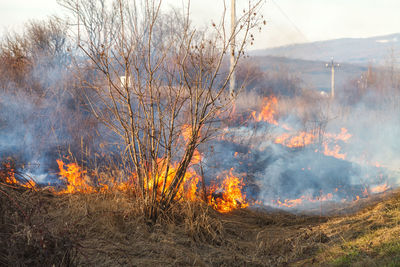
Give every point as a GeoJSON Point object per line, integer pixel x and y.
{"type": "Point", "coordinates": [232, 71]}
{"type": "Point", "coordinates": [77, 11]}
{"type": "Point", "coordinates": [332, 65]}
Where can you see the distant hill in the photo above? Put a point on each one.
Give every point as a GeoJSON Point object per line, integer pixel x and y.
{"type": "Point", "coordinates": [376, 50]}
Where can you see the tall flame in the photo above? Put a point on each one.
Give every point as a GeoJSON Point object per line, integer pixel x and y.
{"type": "Point", "coordinates": [76, 182]}
{"type": "Point", "coordinates": [74, 177]}
{"type": "Point", "coordinates": [229, 196]}
{"type": "Point", "coordinates": [187, 189]}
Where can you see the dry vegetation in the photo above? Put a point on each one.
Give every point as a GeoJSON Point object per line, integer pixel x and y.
{"type": "Point", "coordinates": [39, 228]}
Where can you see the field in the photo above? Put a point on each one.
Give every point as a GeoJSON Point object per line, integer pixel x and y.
{"type": "Point", "coordinates": [135, 138]}
{"type": "Point", "coordinates": [41, 228]}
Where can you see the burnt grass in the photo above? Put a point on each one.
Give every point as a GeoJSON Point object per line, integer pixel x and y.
{"type": "Point", "coordinates": [39, 228]}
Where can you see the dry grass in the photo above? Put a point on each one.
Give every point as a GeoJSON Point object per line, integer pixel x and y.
{"type": "Point", "coordinates": [39, 228]}
{"type": "Point", "coordinates": [369, 237]}
{"type": "Point", "coordinates": [27, 236]}
{"type": "Point", "coordinates": [109, 230]}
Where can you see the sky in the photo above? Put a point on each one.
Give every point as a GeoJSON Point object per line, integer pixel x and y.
{"type": "Point", "coordinates": [288, 21]}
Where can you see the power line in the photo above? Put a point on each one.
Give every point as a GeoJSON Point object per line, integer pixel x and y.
{"type": "Point", "coordinates": [294, 25]}
{"type": "Point", "coordinates": [291, 22]}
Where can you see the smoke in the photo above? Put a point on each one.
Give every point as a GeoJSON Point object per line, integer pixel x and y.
{"type": "Point", "coordinates": [355, 152]}
{"type": "Point", "coordinates": [42, 119]}
{"type": "Point", "coordinates": [29, 132]}
{"type": "Point", "coordinates": [38, 127]}
{"type": "Point", "coordinates": [300, 147]}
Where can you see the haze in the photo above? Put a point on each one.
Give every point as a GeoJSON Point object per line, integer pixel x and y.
{"type": "Point", "coordinates": [289, 21]}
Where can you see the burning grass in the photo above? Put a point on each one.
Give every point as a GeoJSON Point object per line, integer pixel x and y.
{"type": "Point", "coordinates": [296, 153]}
{"type": "Point", "coordinates": [97, 218]}
{"type": "Point", "coordinates": [43, 228]}
{"type": "Point", "coordinates": [224, 197]}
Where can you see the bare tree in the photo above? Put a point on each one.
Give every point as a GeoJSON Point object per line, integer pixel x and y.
{"type": "Point", "coordinates": [173, 84]}
{"type": "Point", "coordinates": [42, 45]}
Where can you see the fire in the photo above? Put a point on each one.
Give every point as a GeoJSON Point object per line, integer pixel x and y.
{"type": "Point", "coordinates": [267, 112]}
{"type": "Point", "coordinates": [342, 136]}
{"type": "Point", "coordinates": [76, 182]}
{"type": "Point", "coordinates": [300, 140]}
{"type": "Point", "coordinates": [331, 138]}
{"type": "Point", "coordinates": [75, 179]}
{"type": "Point", "coordinates": [229, 196]}
{"type": "Point", "coordinates": [379, 188]}
{"type": "Point", "coordinates": [335, 152]}
{"type": "Point", "coordinates": [365, 192]}
{"type": "Point", "coordinates": [196, 157]}
{"type": "Point", "coordinates": [290, 203]}
{"type": "Point", "coordinates": [303, 138]}
{"type": "Point", "coordinates": [303, 200]}
{"type": "Point", "coordinates": [112, 186]}
{"type": "Point", "coordinates": [188, 188]}
{"type": "Point", "coordinates": [9, 174]}
{"type": "Point", "coordinates": [187, 134]}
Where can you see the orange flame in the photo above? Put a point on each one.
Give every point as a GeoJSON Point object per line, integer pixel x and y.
{"type": "Point", "coordinates": [188, 188]}
{"type": "Point", "coordinates": [290, 203]}
{"type": "Point", "coordinates": [76, 182]}
{"type": "Point", "coordinates": [232, 198]}
{"type": "Point", "coordinates": [196, 157]}
{"type": "Point", "coordinates": [10, 178]}
{"type": "Point", "coordinates": [230, 195]}
{"type": "Point", "coordinates": [187, 135]}
{"type": "Point", "coordinates": [335, 152]}
{"type": "Point", "coordinates": [365, 192]}
{"type": "Point", "coordinates": [74, 177]}
{"type": "Point", "coordinates": [299, 140]}
{"type": "Point", "coordinates": [186, 132]}
{"type": "Point", "coordinates": [379, 188]}
{"type": "Point", "coordinates": [267, 112]}
{"type": "Point", "coordinates": [342, 136]}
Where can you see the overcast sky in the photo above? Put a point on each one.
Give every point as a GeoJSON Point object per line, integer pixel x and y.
{"type": "Point", "coordinates": [289, 21]}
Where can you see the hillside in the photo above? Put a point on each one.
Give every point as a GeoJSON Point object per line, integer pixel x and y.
{"type": "Point", "coordinates": [375, 50]}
